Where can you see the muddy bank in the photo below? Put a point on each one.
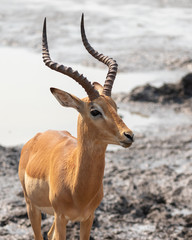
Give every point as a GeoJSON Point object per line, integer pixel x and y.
{"type": "Point", "coordinates": [141, 35]}
{"type": "Point", "coordinates": [177, 96]}
{"type": "Point", "coordinates": [147, 187]}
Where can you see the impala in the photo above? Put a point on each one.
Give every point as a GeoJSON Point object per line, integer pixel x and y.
{"type": "Point", "coordinates": [62, 175]}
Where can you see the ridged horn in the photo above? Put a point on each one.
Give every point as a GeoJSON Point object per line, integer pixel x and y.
{"type": "Point", "coordinates": [89, 88]}
{"type": "Point", "coordinates": [110, 62]}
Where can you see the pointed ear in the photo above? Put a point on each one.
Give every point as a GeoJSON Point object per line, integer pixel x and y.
{"type": "Point", "coordinates": [98, 87]}
{"type": "Point", "coordinates": [68, 100]}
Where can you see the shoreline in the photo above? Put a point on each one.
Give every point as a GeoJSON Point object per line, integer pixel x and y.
{"type": "Point", "coordinates": [30, 95]}
{"type": "Point", "coordinates": [147, 188]}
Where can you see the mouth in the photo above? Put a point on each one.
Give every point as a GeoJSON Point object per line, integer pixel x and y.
{"type": "Point", "coordinates": [125, 144]}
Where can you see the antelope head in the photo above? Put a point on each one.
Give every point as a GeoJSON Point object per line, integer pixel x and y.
{"type": "Point", "coordinates": [98, 112]}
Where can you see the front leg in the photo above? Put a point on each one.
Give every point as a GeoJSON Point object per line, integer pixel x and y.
{"type": "Point", "coordinates": [85, 228]}
{"type": "Point", "coordinates": [51, 233]}
{"type": "Point", "coordinates": [60, 227]}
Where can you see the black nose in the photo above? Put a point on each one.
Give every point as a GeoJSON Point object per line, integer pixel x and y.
{"type": "Point", "coordinates": [129, 136]}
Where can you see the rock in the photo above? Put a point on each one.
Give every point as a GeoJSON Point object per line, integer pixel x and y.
{"type": "Point", "coordinates": [186, 85]}
{"type": "Point", "coordinates": [168, 93]}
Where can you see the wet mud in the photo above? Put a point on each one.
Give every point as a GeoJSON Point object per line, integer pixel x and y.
{"type": "Point", "coordinates": [147, 188]}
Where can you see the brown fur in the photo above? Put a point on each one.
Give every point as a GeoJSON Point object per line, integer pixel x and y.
{"type": "Point", "coordinates": [62, 175]}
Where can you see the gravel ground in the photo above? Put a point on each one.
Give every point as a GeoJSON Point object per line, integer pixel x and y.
{"type": "Point", "coordinates": [147, 187]}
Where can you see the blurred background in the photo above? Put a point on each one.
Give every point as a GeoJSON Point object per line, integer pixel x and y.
{"type": "Point", "coordinates": [148, 187]}
{"type": "Point", "coordinates": [150, 39]}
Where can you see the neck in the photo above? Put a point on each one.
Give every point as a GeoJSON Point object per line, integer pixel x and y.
{"type": "Point", "coordinates": [90, 163]}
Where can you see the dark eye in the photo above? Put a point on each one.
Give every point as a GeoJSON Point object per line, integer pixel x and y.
{"type": "Point", "coordinates": [95, 113]}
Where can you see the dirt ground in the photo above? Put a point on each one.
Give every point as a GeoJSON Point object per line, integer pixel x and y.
{"type": "Point", "coordinates": [148, 187]}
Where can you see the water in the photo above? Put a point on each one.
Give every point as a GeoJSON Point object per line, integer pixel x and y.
{"type": "Point", "coordinates": [28, 107]}
{"type": "Point", "coordinates": [144, 37]}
